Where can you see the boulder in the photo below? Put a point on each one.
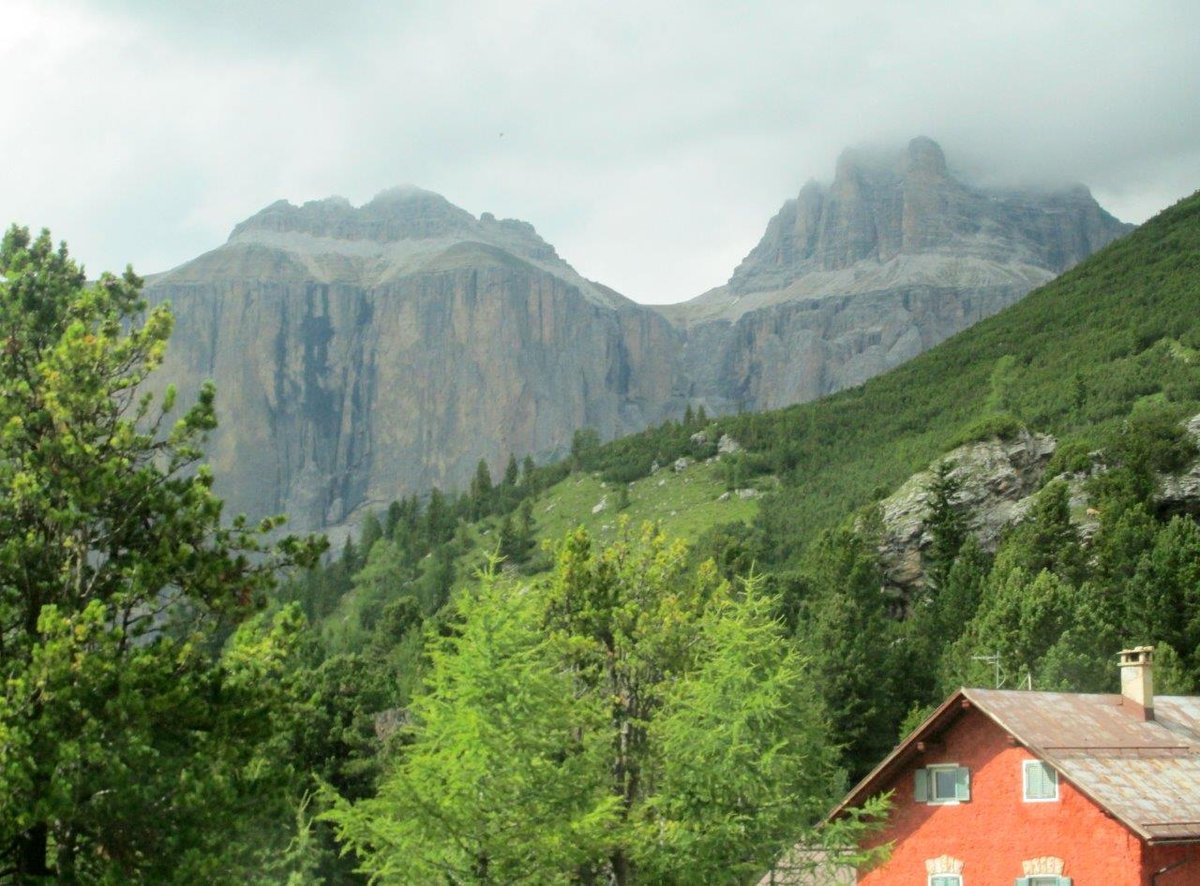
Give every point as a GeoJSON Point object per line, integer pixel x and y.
{"type": "Point", "coordinates": [727, 445]}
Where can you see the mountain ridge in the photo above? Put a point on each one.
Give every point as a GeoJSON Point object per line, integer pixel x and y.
{"type": "Point", "coordinates": [364, 352]}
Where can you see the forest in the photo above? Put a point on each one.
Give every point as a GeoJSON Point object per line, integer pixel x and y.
{"type": "Point", "coordinates": [191, 698]}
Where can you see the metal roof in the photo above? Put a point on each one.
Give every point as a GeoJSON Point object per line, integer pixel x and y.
{"type": "Point", "coordinates": [1145, 773]}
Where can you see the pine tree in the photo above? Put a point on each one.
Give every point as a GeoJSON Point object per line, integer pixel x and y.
{"type": "Point", "coordinates": [481, 491]}
{"type": "Point", "coordinates": [945, 523]}
{"type": "Point", "coordinates": [369, 533]}
{"type": "Point", "coordinates": [115, 571]}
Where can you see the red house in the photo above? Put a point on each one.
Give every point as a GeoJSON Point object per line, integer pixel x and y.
{"type": "Point", "coordinates": [1045, 789]}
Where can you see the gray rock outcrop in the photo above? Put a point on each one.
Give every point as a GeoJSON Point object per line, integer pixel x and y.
{"type": "Point", "coordinates": [1181, 492]}
{"type": "Point", "coordinates": [997, 481]}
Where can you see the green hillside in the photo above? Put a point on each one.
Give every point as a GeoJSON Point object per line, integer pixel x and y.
{"type": "Point", "coordinates": [304, 720]}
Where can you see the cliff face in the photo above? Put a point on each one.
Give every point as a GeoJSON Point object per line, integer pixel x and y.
{"type": "Point", "coordinates": [364, 353]}
{"type": "Point", "coordinates": [353, 369]}
{"type": "Point", "coordinates": [855, 278]}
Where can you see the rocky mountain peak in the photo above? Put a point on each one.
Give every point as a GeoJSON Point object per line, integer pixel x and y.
{"type": "Point", "coordinates": [925, 157]}
{"type": "Point", "coordinates": [887, 213]}
{"type": "Point", "coordinates": [401, 213]}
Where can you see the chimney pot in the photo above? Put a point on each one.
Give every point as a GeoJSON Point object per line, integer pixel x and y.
{"type": "Point", "coordinates": [1137, 680]}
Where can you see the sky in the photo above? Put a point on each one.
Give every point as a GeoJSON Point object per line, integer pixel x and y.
{"type": "Point", "coordinates": [649, 142]}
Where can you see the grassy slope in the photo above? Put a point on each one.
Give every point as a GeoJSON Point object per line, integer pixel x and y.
{"type": "Point", "coordinates": [685, 503]}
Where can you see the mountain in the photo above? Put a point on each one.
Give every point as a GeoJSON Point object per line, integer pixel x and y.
{"type": "Point", "coordinates": [852, 279]}
{"type": "Point", "coordinates": [1072, 420]}
{"type": "Point", "coordinates": [361, 353]}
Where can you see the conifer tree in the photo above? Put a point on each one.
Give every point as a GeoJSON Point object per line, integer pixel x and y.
{"type": "Point", "coordinates": [511, 472]}
{"type": "Point", "coordinates": [481, 491]}
{"type": "Point", "coordinates": [118, 755]}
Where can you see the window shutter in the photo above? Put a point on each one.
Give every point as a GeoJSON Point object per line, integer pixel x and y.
{"type": "Point", "coordinates": [921, 785]}
{"type": "Point", "coordinates": [962, 783]}
{"type": "Point", "coordinates": [1022, 881]}
{"type": "Point", "coordinates": [1064, 881]}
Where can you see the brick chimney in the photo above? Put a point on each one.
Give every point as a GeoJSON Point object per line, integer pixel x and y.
{"type": "Point", "coordinates": [1137, 681]}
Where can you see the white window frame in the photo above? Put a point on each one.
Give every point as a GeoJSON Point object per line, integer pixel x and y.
{"type": "Point", "coordinates": [933, 799]}
{"type": "Point", "coordinates": [957, 877]}
{"type": "Point", "coordinates": [1025, 765]}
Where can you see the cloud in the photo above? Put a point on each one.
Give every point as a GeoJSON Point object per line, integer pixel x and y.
{"type": "Point", "coordinates": [650, 142]}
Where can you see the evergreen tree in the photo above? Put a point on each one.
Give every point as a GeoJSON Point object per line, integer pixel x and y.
{"type": "Point", "coordinates": [439, 520]}
{"type": "Point", "coordinates": [395, 513]}
{"type": "Point", "coordinates": [123, 744]}
{"type": "Point", "coordinates": [583, 444]}
{"type": "Point", "coordinates": [369, 533]}
{"type": "Point", "coordinates": [516, 536]}
{"type": "Point", "coordinates": [1047, 539]}
{"type": "Point", "coordinates": [945, 523]}
{"type": "Point", "coordinates": [1162, 599]}
{"type": "Point", "coordinates": [857, 668]}
{"type": "Point", "coordinates": [511, 472]}
{"type": "Point", "coordinates": [481, 491]}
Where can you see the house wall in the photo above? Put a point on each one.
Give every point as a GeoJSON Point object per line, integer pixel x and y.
{"type": "Point", "coordinates": [996, 830]}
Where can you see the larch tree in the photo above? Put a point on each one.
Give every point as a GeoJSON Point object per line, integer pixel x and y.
{"type": "Point", "coordinates": [629, 720]}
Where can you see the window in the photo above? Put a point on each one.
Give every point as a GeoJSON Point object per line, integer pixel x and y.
{"type": "Point", "coordinates": [1041, 785]}
{"type": "Point", "coordinates": [945, 880]}
{"type": "Point", "coordinates": [1043, 881]}
{"type": "Point", "coordinates": [947, 783]}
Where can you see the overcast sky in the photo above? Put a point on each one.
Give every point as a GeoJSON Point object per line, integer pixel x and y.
{"type": "Point", "coordinates": [649, 142]}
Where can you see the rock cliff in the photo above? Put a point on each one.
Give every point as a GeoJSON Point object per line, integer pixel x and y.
{"type": "Point", "coordinates": [362, 353]}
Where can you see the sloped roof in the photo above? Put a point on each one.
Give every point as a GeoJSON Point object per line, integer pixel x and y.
{"type": "Point", "coordinates": [1145, 773]}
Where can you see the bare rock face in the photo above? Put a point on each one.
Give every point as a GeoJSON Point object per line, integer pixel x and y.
{"type": "Point", "coordinates": [1180, 493]}
{"type": "Point", "coordinates": [855, 278]}
{"type": "Point", "coordinates": [999, 482]}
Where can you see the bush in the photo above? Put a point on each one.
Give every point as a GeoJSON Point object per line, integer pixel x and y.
{"type": "Point", "coordinates": [1001, 426]}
